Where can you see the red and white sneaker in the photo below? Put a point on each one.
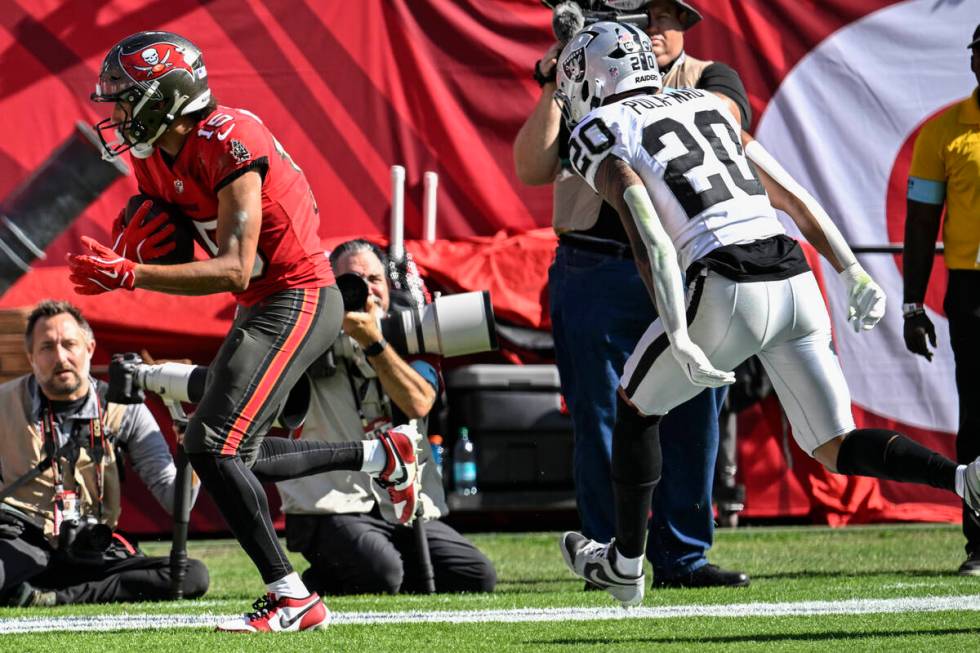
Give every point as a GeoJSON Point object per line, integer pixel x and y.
{"type": "Point", "coordinates": [400, 476]}
{"type": "Point", "coordinates": [283, 614]}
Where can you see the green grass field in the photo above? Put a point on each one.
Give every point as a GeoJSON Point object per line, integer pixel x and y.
{"type": "Point", "coordinates": [787, 565]}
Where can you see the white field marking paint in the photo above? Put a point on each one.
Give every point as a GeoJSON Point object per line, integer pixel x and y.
{"type": "Point", "coordinates": [524, 615]}
{"type": "Point", "coordinates": [911, 585]}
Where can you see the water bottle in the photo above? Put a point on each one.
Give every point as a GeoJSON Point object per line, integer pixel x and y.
{"type": "Point", "coordinates": [435, 443]}
{"type": "Point", "coordinates": [464, 465]}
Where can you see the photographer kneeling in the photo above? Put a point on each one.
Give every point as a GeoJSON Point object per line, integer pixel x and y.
{"type": "Point", "coordinates": [336, 519]}
{"type": "Point", "coordinates": [59, 446]}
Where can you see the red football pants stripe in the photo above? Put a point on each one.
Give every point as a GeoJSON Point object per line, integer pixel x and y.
{"type": "Point", "coordinates": [272, 373]}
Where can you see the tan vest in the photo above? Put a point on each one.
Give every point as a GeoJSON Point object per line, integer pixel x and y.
{"type": "Point", "coordinates": [575, 205]}
{"type": "Point", "coordinates": [333, 417]}
{"type": "Point", "coordinates": [22, 448]}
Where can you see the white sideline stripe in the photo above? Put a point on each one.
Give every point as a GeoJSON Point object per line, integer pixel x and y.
{"type": "Point", "coordinates": [524, 615]}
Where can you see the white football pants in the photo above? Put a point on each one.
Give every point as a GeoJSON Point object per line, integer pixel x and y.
{"type": "Point", "coordinates": [785, 323]}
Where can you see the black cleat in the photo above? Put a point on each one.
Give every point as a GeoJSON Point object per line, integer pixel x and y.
{"type": "Point", "coordinates": [970, 566]}
{"type": "Point", "coordinates": [707, 576]}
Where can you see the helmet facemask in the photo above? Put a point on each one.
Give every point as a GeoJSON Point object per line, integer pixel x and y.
{"type": "Point", "coordinates": [144, 122]}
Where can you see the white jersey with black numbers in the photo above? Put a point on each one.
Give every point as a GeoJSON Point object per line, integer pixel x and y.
{"type": "Point", "coordinates": [685, 146]}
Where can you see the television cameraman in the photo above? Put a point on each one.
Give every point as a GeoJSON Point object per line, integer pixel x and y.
{"type": "Point", "coordinates": [56, 540]}
{"type": "Point", "coordinates": [337, 520]}
{"type": "Point", "coordinates": [600, 309]}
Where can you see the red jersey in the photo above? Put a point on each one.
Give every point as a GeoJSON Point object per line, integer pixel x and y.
{"type": "Point", "coordinates": [222, 147]}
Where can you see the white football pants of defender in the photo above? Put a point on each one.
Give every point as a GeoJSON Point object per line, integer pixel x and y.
{"type": "Point", "coordinates": [785, 323]}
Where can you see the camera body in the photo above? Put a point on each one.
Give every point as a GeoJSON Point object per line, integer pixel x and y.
{"type": "Point", "coordinates": [452, 325]}
{"type": "Point", "coordinates": [84, 538]}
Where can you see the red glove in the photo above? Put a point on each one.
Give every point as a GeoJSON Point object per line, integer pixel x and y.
{"type": "Point", "coordinates": [143, 242]}
{"type": "Point", "coordinates": [101, 271]}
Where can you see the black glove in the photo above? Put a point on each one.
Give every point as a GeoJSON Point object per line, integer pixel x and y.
{"type": "Point", "coordinates": [542, 77]}
{"type": "Point", "coordinates": [10, 527]}
{"type": "Point", "coordinates": [917, 327]}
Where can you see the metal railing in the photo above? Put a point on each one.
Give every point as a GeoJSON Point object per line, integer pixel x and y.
{"type": "Point", "coordinates": [890, 248]}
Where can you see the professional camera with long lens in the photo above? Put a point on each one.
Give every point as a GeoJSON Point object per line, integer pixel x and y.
{"type": "Point", "coordinates": [569, 16]}
{"type": "Point", "coordinates": [130, 378]}
{"type": "Point", "coordinates": [452, 325]}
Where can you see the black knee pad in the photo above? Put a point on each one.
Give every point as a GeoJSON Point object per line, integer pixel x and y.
{"type": "Point", "coordinates": [196, 438]}
{"type": "Point", "coordinates": [636, 458]}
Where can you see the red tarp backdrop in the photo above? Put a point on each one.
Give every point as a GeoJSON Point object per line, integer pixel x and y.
{"type": "Point", "coordinates": [352, 87]}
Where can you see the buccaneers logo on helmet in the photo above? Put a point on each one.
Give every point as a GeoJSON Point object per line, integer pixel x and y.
{"type": "Point", "coordinates": [155, 61]}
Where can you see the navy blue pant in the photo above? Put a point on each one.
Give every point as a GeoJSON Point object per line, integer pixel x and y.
{"type": "Point", "coordinates": [599, 310]}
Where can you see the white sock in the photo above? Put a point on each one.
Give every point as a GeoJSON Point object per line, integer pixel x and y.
{"type": "Point", "coordinates": [291, 586]}
{"type": "Point", "coordinates": [374, 457]}
{"type": "Point", "coordinates": [961, 480]}
{"type": "Point", "coordinates": [631, 567]}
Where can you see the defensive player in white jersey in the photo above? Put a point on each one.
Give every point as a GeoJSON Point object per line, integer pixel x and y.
{"type": "Point", "coordinates": [676, 166]}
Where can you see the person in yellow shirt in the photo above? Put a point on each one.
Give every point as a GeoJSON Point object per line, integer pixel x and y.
{"type": "Point", "coordinates": [945, 172]}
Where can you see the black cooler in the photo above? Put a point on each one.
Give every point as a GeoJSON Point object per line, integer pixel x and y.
{"type": "Point", "coordinates": [522, 438]}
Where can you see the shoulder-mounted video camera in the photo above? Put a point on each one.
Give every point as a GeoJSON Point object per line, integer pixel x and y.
{"type": "Point", "coordinates": [452, 325]}
{"type": "Point", "coordinates": [570, 16]}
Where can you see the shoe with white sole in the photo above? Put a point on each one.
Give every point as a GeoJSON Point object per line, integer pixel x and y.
{"type": "Point", "coordinates": [279, 615]}
{"type": "Point", "coordinates": [400, 476]}
{"type": "Point", "coordinates": [970, 566]}
{"type": "Point", "coordinates": [595, 563]}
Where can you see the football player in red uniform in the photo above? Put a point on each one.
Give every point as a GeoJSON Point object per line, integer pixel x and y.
{"type": "Point", "coordinates": [255, 214]}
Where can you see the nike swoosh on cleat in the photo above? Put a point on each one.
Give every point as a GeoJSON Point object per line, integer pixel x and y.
{"type": "Point", "coordinates": [594, 573]}
{"type": "Point", "coordinates": [286, 623]}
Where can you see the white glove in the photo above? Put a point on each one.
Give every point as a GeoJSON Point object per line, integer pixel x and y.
{"type": "Point", "coordinates": [865, 298]}
{"type": "Point", "coordinates": [698, 368]}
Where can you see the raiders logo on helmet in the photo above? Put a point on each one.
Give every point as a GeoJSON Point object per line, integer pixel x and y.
{"type": "Point", "coordinates": [574, 66]}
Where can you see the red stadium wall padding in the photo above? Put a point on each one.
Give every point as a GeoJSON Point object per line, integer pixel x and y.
{"type": "Point", "coordinates": [351, 88]}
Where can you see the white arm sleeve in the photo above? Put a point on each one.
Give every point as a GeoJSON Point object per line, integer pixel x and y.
{"type": "Point", "coordinates": [667, 284]}
{"type": "Point", "coordinates": [760, 157]}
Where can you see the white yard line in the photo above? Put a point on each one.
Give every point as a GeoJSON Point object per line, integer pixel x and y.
{"type": "Point", "coordinates": [803, 608]}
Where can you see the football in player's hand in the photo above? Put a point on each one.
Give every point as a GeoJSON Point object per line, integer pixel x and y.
{"type": "Point", "coordinates": [182, 236]}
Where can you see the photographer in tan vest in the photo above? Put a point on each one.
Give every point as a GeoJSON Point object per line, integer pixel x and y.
{"type": "Point", "coordinates": [60, 444]}
{"type": "Point", "coordinates": [600, 309]}
{"type": "Point", "coordinates": [339, 520]}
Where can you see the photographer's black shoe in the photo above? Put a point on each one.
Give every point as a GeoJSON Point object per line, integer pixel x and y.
{"type": "Point", "coordinates": [26, 595]}
{"type": "Point", "coordinates": [970, 566]}
{"type": "Point", "coordinates": [707, 576]}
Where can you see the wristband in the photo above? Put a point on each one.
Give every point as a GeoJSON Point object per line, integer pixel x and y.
{"type": "Point", "coordinates": [541, 78]}
{"type": "Point", "coordinates": [376, 348]}
{"type": "Point", "coordinates": [911, 309]}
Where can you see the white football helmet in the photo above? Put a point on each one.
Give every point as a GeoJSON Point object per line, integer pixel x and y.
{"type": "Point", "coordinates": [601, 60]}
